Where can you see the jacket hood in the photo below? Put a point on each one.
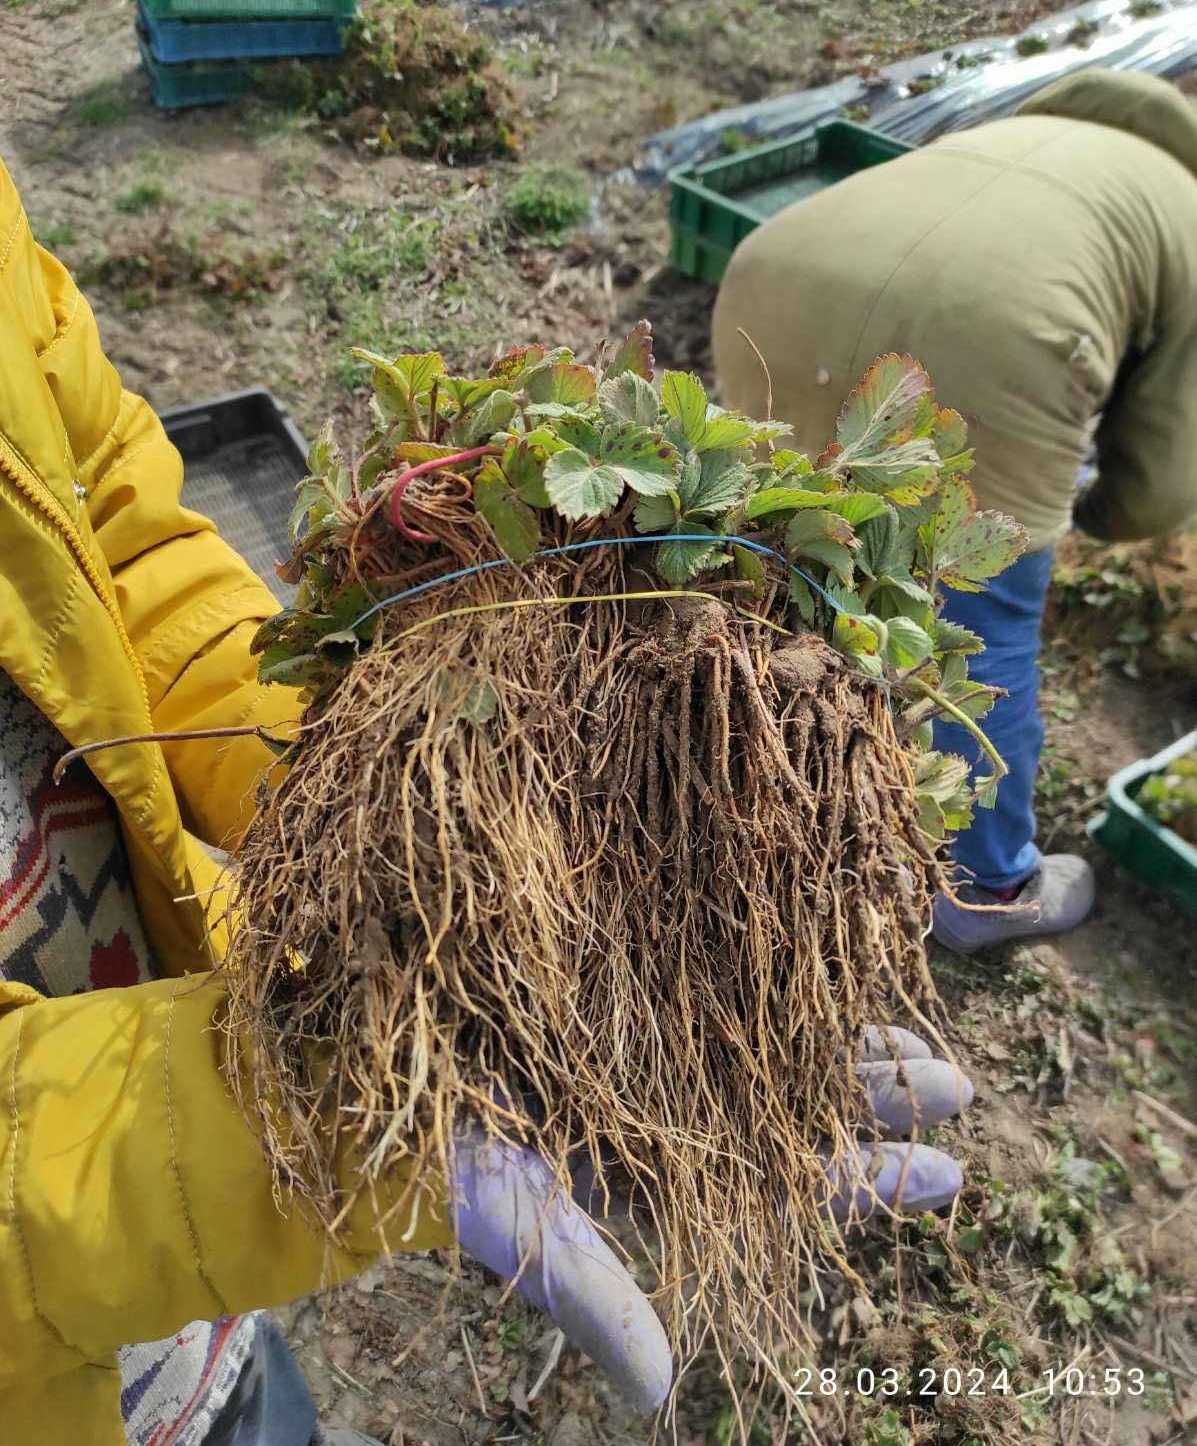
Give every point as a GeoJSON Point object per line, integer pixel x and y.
{"type": "Point", "coordinates": [1144, 105]}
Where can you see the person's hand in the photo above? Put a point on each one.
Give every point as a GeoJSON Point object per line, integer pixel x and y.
{"type": "Point", "coordinates": [913, 1090]}
{"type": "Point", "coordinates": [510, 1212]}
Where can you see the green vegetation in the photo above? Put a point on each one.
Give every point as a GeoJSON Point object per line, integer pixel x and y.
{"type": "Point", "coordinates": [1033, 45]}
{"type": "Point", "coordinates": [106, 104]}
{"type": "Point", "coordinates": [548, 201]}
{"type": "Point", "coordinates": [1085, 1275]}
{"type": "Point", "coordinates": [378, 247]}
{"type": "Point", "coordinates": [142, 197]}
{"type": "Point", "coordinates": [1171, 797]}
{"type": "Point", "coordinates": [54, 234]}
{"type": "Point", "coordinates": [412, 78]}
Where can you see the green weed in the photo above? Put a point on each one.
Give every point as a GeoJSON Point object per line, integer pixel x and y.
{"type": "Point", "coordinates": [1085, 1276]}
{"type": "Point", "coordinates": [105, 104]}
{"type": "Point", "coordinates": [1033, 45]}
{"type": "Point", "coordinates": [142, 197]}
{"type": "Point", "coordinates": [54, 234]}
{"type": "Point", "coordinates": [548, 201]}
{"type": "Point", "coordinates": [379, 247]}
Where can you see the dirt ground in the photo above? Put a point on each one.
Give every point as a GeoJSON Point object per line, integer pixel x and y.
{"type": "Point", "coordinates": [1075, 1242]}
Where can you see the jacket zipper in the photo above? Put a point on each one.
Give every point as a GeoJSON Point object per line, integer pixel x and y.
{"type": "Point", "coordinates": [14, 469]}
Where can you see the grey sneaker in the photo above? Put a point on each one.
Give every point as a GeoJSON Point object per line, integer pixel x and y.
{"type": "Point", "coordinates": [1057, 898]}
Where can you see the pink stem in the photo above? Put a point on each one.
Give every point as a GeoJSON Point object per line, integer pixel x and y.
{"type": "Point", "coordinates": [434, 464]}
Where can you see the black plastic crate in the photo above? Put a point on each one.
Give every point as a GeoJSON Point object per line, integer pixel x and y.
{"type": "Point", "coordinates": [242, 457]}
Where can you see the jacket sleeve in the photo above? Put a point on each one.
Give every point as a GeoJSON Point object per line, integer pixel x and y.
{"type": "Point", "coordinates": [133, 1197]}
{"type": "Point", "coordinates": [1147, 445]}
{"type": "Point", "coordinates": [189, 603]}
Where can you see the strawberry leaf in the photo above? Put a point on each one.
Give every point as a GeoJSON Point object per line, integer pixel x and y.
{"type": "Point", "coordinates": [885, 401]}
{"type": "Point", "coordinates": [678, 562]}
{"type": "Point", "coordinates": [685, 400]}
{"type": "Point", "coordinates": [634, 354]}
{"type": "Point", "coordinates": [513, 522]}
{"type": "Point", "coordinates": [629, 398]}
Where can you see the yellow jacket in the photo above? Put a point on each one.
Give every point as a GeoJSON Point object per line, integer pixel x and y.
{"type": "Point", "coordinates": [133, 1197]}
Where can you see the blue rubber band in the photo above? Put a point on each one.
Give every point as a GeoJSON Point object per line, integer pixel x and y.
{"type": "Point", "coordinates": [448, 577]}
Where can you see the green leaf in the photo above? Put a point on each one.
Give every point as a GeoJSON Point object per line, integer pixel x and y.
{"type": "Point", "coordinates": [833, 555]}
{"type": "Point", "coordinates": [750, 568]}
{"type": "Point", "coordinates": [629, 398]}
{"type": "Point", "coordinates": [577, 432]}
{"type": "Point", "coordinates": [634, 354]}
{"type": "Point", "coordinates": [513, 522]}
{"type": "Point", "coordinates": [718, 485]}
{"type": "Point", "coordinates": [964, 547]}
{"type": "Point", "coordinates": [684, 398]}
{"type": "Point", "coordinates": [579, 487]}
{"type": "Point", "coordinates": [803, 599]}
{"type": "Point", "coordinates": [295, 671]}
{"type": "Point", "coordinates": [678, 562]}
{"type": "Point", "coordinates": [856, 507]}
{"type": "Point", "coordinates": [524, 467]}
{"type": "Point", "coordinates": [656, 514]}
{"type": "Point", "coordinates": [816, 524]}
{"type": "Point", "coordinates": [567, 383]}
{"type": "Point", "coordinates": [311, 493]}
{"type": "Point", "coordinates": [907, 644]}
{"type": "Point", "coordinates": [952, 638]}
{"type": "Point", "coordinates": [481, 423]}
{"type": "Point", "coordinates": [647, 464]}
{"type": "Point", "coordinates": [399, 384]}
{"type": "Point", "coordinates": [776, 501]}
{"type": "Point", "coordinates": [324, 451]}
{"type": "Point", "coordinates": [885, 401]}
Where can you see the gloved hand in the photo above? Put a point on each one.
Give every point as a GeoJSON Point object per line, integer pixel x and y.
{"type": "Point", "coordinates": [508, 1207]}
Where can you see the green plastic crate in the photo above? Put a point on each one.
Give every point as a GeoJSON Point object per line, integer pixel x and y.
{"type": "Point", "coordinates": [1140, 843]}
{"type": "Point", "coordinates": [712, 207]}
{"type": "Point", "coordinates": [251, 9]}
{"type": "Point", "coordinates": [176, 87]}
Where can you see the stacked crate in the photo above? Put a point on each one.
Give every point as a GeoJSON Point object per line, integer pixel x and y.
{"type": "Point", "coordinates": [200, 52]}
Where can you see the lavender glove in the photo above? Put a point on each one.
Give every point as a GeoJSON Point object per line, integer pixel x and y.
{"type": "Point", "coordinates": [507, 1207]}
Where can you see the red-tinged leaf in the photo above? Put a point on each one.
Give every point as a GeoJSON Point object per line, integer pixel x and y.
{"type": "Point", "coordinates": [635, 353]}
{"type": "Point", "coordinates": [517, 361]}
{"type": "Point", "coordinates": [885, 401]}
{"type": "Point", "coordinates": [828, 455]}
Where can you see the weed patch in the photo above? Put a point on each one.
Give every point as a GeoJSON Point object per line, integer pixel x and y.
{"type": "Point", "coordinates": [105, 104]}
{"type": "Point", "coordinates": [548, 201]}
{"type": "Point", "coordinates": [142, 197]}
{"type": "Point", "coordinates": [150, 262]}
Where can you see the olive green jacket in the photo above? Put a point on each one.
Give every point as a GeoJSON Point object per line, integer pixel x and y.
{"type": "Point", "coordinates": [1043, 268]}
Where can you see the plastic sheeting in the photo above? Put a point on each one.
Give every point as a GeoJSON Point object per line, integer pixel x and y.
{"type": "Point", "coordinates": [980, 80]}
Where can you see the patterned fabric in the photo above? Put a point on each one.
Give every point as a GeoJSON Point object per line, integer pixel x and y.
{"type": "Point", "coordinates": [173, 1390]}
{"type": "Point", "coordinates": [68, 918]}
{"type": "Point", "coordinates": [68, 924]}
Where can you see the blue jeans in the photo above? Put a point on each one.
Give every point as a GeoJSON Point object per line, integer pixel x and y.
{"type": "Point", "coordinates": [271, 1404]}
{"type": "Point", "coordinates": [999, 849]}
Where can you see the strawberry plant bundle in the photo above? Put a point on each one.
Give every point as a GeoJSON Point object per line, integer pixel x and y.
{"type": "Point", "coordinates": [613, 817]}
